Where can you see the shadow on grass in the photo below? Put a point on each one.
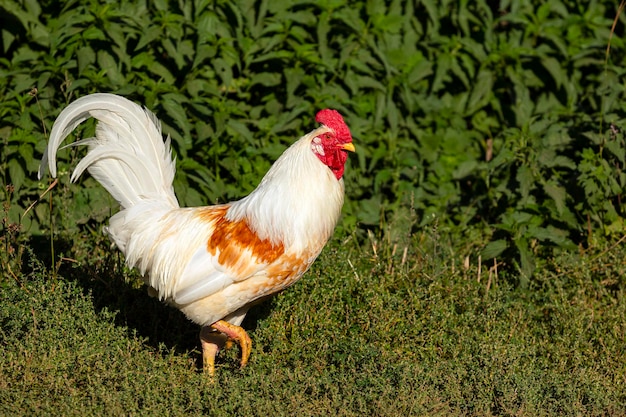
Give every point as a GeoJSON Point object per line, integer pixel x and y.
{"type": "Point", "coordinates": [114, 287]}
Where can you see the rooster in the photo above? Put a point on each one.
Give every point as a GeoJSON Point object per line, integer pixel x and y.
{"type": "Point", "coordinates": [215, 262]}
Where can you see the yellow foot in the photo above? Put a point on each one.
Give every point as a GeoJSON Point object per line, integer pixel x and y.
{"type": "Point", "coordinates": [211, 342]}
{"type": "Point", "coordinates": [237, 334]}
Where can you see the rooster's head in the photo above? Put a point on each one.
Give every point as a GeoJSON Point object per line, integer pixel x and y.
{"type": "Point", "coordinates": [331, 146]}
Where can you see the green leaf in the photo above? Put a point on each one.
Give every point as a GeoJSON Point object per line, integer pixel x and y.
{"type": "Point", "coordinates": [482, 91]}
{"type": "Point", "coordinates": [110, 66]}
{"type": "Point", "coordinates": [266, 79]}
{"type": "Point", "coordinates": [494, 248]}
{"type": "Point", "coordinates": [557, 193]}
{"type": "Point", "coordinates": [527, 261]}
{"type": "Point", "coordinates": [148, 36]}
{"type": "Point", "coordinates": [555, 68]}
{"type": "Point", "coordinates": [85, 56]}
{"type": "Point", "coordinates": [526, 180]}
{"type": "Point", "coordinates": [465, 169]}
{"type": "Point", "coordinates": [16, 173]}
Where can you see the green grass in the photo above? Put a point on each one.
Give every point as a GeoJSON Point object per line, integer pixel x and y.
{"type": "Point", "coordinates": [360, 334]}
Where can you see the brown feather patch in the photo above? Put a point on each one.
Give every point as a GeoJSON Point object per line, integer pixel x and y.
{"type": "Point", "coordinates": [232, 238]}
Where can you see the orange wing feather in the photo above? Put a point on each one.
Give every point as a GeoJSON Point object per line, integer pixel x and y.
{"type": "Point", "coordinates": [230, 239]}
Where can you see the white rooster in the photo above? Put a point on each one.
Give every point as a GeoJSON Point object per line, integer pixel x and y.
{"type": "Point", "coordinates": [215, 262]}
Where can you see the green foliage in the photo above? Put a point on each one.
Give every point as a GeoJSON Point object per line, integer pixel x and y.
{"type": "Point", "coordinates": [506, 118]}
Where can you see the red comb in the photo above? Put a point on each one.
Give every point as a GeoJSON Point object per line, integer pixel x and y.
{"type": "Point", "coordinates": [333, 119]}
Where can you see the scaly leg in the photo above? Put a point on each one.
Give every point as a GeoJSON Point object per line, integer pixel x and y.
{"type": "Point", "coordinates": [212, 342]}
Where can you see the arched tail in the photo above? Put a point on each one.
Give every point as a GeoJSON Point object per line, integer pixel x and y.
{"type": "Point", "coordinates": [127, 155]}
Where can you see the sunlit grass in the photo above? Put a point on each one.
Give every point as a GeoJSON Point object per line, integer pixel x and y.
{"type": "Point", "coordinates": [361, 334]}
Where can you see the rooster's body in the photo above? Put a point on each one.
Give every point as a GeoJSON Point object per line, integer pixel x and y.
{"type": "Point", "coordinates": [211, 262]}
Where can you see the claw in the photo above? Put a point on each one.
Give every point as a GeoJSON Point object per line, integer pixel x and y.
{"type": "Point", "coordinates": [212, 342]}
{"type": "Point", "coordinates": [239, 335]}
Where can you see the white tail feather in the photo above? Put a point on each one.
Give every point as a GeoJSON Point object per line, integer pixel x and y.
{"type": "Point", "coordinates": [128, 155]}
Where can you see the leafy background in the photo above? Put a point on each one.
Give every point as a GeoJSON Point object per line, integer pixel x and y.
{"type": "Point", "coordinates": [500, 123]}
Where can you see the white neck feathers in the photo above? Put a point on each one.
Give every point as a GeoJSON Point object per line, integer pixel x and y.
{"type": "Point", "coordinates": [298, 202]}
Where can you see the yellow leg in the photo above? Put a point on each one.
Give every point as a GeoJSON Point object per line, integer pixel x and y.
{"type": "Point", "coordinates": [211, 342]}
{"type": "Point", "coordinates": [239, 335]}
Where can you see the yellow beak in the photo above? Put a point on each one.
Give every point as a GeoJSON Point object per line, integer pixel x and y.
{"type": "Point", "coordinates": [348, 147]}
